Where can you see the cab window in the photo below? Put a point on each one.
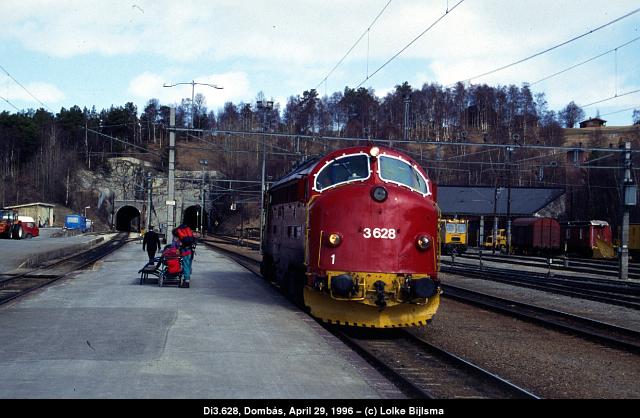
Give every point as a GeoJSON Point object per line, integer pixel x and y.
{"type": "Point", "coordinates": [451, 228]}
{"type": "Point", "coordinates": [343, 170]}
{"type": "Point", "coordinates": [461, 228]}
{"type": "Point", "coordinates": [398, 171]}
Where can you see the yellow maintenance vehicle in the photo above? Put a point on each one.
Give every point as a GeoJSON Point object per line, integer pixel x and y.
{"type": "Point", "coordinates": [501, 240]}
{"type": "Point", "coordinates": [454, 235]}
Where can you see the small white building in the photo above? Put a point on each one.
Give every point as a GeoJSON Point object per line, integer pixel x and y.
{"type": "Point", "coordinates": [42, 213]}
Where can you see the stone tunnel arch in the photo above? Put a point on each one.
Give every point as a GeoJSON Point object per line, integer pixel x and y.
{"type": "Point", "coordinates": [191, 217]}
{"type": "Point", "coordinates": [128, 219]}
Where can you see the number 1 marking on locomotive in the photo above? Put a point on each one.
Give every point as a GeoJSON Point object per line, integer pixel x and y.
{"type": "Point", "coordinates": [333, 258]}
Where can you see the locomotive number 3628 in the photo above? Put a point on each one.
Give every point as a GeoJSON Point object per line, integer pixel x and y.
{"type": "Point", "coordinates": [379, 233]}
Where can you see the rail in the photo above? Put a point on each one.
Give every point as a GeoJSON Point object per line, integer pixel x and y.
{"type": "Point", "coordinates": [427, 371]}
{"type": "Point", "coordinates": [607, 291]}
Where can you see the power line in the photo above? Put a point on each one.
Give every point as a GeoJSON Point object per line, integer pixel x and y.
{"type": "Point", "coordinates": [120, 140]}
{"type": "Point", "coordinates": [410, 43]}
{"type": "Point", "coordinates": [583, 62]}
{"type": "Point", "coordinates": [553, 47]}
{"type": "Point", "coordinates": [611, 98]}
{"type": "Point", "coordinates": [366, 31]}
{"type": "Point", "coordinates": [620, 111]}
{"type": "Point", "coordinates": [24, 88]}
{"type": "Point", "coordinates": [419, 142]}
{"type": "Point", "coordinates": [6, 100]}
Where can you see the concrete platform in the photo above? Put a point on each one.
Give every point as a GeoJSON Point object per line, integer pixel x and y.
{"type": "Point", "coordinates": [28, 253]}
{"type": "Point", "coordinates": [231, 335]}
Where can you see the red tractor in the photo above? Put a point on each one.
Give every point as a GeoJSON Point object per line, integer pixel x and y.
{"type": "Point", "coordinates": [9, 224]}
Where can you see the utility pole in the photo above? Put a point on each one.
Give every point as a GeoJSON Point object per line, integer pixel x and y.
{"type": "Point", "coordinates": [481, 240]}
{"type": "Point", "coordinates": [204, 163]}
{"type": "Point", "coordinates": [149, 186]}
{"type": "Point", "coordinates": [86, 142]}
{"type": "Point", "coordinates": [263, 107]}
{"type": "Point", "coordinates": [629, 199]}
{"type": "Point", "coordinates": [66, 200]}
{"type": "Point", "coordinates": [407, 102]}
{"type": "Point", "coordinates": [509, 151]}
{"type": "Point", "coordinates": [171, 192]}
{"type": "Point", "coordinates": [496, 192]}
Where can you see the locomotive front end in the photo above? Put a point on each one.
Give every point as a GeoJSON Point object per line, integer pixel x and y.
{"type": "Point", "coordinates": [372, 241]}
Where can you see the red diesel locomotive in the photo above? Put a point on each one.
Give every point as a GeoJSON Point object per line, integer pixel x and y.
{"type": "Point", "coordinates": [354, 235]}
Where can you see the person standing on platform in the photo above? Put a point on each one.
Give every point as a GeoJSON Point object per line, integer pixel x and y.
{"type": "Point", "coordinates": [183, 237]}
{"type": "Point", "coordinates": [152, 243]}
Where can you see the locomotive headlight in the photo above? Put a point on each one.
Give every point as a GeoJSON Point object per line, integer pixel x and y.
{"type": "Point", "coordinates": [374, 151]}
{"type": "Point", "coordinates": [379, 194]}
{"type": "Point", "coordinates": [334, 240]}
{"type": "Point", "coordinates": [423, 242]}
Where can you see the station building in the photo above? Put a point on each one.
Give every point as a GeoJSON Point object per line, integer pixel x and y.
{"type": "Point", "coordinates": [42, 213]}
{"type": "Point", "coordinates": [481, 205]}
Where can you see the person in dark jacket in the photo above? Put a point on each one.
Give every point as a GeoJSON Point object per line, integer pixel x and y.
{"type": "Point", "coordinates": [151, 242]}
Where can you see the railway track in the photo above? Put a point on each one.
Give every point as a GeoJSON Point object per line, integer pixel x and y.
{"type": "Point", "coordinates": [248, 243]}
{"type": "Point", "coordinates": [605, 268]}
{"type": "Point", "coordinates": [611, 335]}
{"type": "Point", "coordinates": [426, 371]}
{"type": "Point", "coordinates": [402, 357]}
{"type": "Point", "coordinates": [421, 369]}
{"type": "Point", "coordinates": [619, 293]}
{"type": "Point", "coordinates": [14, 286]}
{"type": "Point", "coordinates": [587, 328]}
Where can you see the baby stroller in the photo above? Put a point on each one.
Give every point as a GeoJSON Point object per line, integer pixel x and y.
{"type": "Point", "coordinates": [167, 268]}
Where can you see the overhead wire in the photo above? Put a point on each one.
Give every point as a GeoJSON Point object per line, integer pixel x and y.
{"type": "Point", "coordinates": [446, 13]}
{"type": "Point", "coordinates": [119, 140]}
{"type": "Point", "coordinates": [620, 111]}
{"type": "Point", "coordinates": [611, 98]}
{"type": "Point", "coordinates": [584, 62]}
{"type": "Point", "coordinates": [11, 104]}
{"type": "Point", "coordinates": [575, 38]}
{"type": "Point", "coordinates": [366, 31]}
{"type": "Point", "coordinates": [24, 88]}
{"type": "Point", "coordinates": [419, 141]}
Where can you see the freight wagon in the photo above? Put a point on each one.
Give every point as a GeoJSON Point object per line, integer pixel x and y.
{"type": "Point", "coordinates": [536, 236]}
{"type": "Point", "coordinates": [589, 238]}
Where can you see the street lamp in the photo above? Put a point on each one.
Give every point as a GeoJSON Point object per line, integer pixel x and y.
{"type": "Point", "coordinates": [263, 107]}
{"type": "Point", "coordinates": [203, 163]}
{"type": "Point", "coordinates": [193, 85]}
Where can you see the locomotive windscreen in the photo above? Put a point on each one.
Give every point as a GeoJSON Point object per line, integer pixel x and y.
{"type": "Point", "coordinates": [342, 170]}
{"type": "Point", "coordinates": [398, 171]}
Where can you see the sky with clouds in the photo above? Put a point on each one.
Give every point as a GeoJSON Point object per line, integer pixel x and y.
{"type": "Point", "coordinates": [103, 53]}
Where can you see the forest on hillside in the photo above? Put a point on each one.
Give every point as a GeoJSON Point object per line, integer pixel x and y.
{"type": "Point", "coordinates": [40, 151]}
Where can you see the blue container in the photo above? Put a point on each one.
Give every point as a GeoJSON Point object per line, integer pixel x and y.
{"type": "Point", "coordinates": [75, 222]}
